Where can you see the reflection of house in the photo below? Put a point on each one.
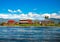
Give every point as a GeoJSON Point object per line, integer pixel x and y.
{"type": "Point", "coordinates": [11, 22]}
{"type": "Point", "coordinates": [28, 21]}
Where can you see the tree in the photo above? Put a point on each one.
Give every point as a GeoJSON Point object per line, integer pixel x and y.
{"type": "Point", "coordinates": [46, 17]}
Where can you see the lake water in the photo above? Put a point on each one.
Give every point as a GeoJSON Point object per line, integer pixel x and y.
{"type": "Point", "coordinates": [29, 34]}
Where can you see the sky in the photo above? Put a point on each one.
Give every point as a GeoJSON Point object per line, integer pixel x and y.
{"type": "Point", "coordinates": [29, 9]}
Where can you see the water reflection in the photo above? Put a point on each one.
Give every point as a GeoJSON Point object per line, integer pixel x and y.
{"type": "Point", "coordinates": [34, 34]}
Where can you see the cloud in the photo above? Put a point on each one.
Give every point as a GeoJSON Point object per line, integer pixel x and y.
{"type": "Point", "coordinates": [46, 14]}
{"type": "Point", "coordinates": [30, 15]}
{"type": "Point", "coordinates": [55, 15]}
{"type": "Point", "coordinates": [14, 11]}
{"type": "Point", "coordinates": [19, 11]}
{"type": "Point", "coordinates": [10, 11]}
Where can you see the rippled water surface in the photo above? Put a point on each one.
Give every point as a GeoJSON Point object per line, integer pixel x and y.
{"type": "Point", "coordinates": [30, 34]}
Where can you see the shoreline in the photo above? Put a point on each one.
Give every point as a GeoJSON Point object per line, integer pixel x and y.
{"type": "Point", "coordinates": [27, 26]}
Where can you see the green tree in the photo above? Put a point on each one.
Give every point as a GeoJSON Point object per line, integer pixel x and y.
{"type": "Point", "coordinates": [46, 17]}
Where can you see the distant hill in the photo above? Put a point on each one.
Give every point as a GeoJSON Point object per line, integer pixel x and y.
{"type": "Point", "coordinates": [17, 20]}
{"type": "Point", "coordinates": [5, 20]}
{"type": "Point", "coordinates": [55, 20]}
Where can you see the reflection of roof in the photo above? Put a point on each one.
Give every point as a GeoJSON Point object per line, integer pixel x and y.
{"type": "Point", "coordinates": [11, 21]}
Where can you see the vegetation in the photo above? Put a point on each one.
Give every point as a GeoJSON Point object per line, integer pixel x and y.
{"type": "Point", "coordinates": [46, 17]}
{"type": "Point", "coordinates": [34, 24]}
